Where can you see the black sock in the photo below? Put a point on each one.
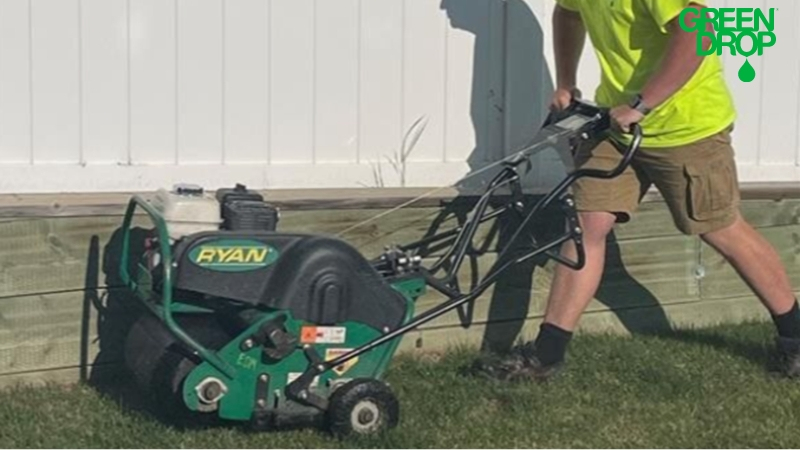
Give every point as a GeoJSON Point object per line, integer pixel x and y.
{"type": "Point", "coordinates": [788, 324]}
{"type": "Point", "coordinates": [551, 344]}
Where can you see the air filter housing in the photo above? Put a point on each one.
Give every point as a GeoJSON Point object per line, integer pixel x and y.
{"type": "Point", "coordinates": [245, 210]}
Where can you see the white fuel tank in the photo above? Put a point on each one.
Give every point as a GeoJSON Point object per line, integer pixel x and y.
{"type": "Point", "coordinates": [187, 209]}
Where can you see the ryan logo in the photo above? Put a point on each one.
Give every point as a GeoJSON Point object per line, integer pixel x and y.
{"type": "Point", "coordinates": [233, 255]}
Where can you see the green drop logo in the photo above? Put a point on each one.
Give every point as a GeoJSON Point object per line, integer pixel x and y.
{"type": "Point", "coordinates": [747, 73]}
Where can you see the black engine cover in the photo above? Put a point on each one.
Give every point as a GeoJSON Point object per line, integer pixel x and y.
{"type": "Point", "coordinates": [319, 279]}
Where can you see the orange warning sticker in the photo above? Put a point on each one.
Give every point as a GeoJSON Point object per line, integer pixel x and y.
{"type": "Point", "coordinates": [333, 353]}
{"type": "Point", "coordinates": [323, 335]}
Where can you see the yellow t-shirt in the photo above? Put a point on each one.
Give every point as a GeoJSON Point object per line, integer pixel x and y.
{"type": "Point", "coordinates": [630, 38]}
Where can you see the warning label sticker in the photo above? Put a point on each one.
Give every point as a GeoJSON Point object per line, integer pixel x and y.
{"type": "Point", "coordinates": [295, 375]}
{"type": "Point", "coordinates": [333, 353]}
{"type": "Point", "coordinates": [323, 335]}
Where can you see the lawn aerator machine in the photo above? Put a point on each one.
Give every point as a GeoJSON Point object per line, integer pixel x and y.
{"type": "Point", "coordinates": [246, 323]}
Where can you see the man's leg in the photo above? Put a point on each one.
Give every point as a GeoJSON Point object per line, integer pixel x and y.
{"type": "Point", "coordinates": [570, 294]}
{"type": "Point", "coordinates": [572, 290]}
{"type": "Point", "coordinates": [602, 203]}
{"type": "Point", "coordinates": [757, 263]}
{"type": "Point", "coordinates": [700, 184]}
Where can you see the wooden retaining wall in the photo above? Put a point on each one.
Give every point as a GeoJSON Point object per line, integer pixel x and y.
{"type": "Point", "coordinates": [63, 315]}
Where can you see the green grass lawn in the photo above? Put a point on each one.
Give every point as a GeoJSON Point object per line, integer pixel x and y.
{"type": "Point", "coordinates": [703, 388]}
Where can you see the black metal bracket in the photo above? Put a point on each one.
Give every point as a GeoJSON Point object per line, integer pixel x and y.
{"type": "Point", "coordinates": [275, 341]}
{"type": "Point", "coordinates": [299, 390]}
{"type": "Point", "coordinates": [262, 394]}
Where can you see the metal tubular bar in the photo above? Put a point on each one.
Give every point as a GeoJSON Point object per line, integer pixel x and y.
{"type": "Point", "coordinates": [166, 292]}
{"type": "Point", "coordinates": [467, 232]}
{"type": "Point", "coordinates": [439, 310]}
{"type": "Point", "coordinates": [498, 267]}
{"type": "Point", "coordinates": [574, 176]}
{"type": "Point", "coordinates": [450, 233]}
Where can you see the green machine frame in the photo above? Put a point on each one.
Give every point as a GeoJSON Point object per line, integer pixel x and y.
{"type": "Point", "coordinates": [252, 386]}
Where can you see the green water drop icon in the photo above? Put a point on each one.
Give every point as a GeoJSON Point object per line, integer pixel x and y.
{"type": "Point", "coordinates": [747, 73]}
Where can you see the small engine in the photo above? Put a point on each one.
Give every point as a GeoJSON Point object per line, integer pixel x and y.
{"type": "Point", "coordinates": [188, 209]}
{"type": "Point", "coordinates": [245, 210]}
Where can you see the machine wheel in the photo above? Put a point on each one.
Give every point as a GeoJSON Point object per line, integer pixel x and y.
{"type": "Point", "coordinates": [362, 407]}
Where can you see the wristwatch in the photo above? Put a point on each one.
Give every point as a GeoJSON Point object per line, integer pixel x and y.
{"type": "Point", "coordinates": [638, 104]}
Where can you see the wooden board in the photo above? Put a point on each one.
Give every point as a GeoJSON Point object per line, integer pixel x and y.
{"type": "Point", "coordinates": [55, 255]}
{"type": "Point", "coordinates": [60, 254]}
{"type": "Point", "coordinates": [635, 277]}
{"type": "Point", "coordinates": [47, 331]}
{"type": "Point", "coordinates": [113, 204]}
{"type": "Point", "coordinates": [500, 335]}
{"type": "Point", "coordinates": [49, 326]}
{"type": "Point", "coordinates": [720, 280]}
{"type": "Point", "coordinates": [771, 213]}
{"type": "Point", "coordinates": [653, 219]}
{"type": "Point", "coordinates": [69, 329]}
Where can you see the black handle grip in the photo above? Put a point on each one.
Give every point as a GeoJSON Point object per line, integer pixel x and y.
{"type": "Point", "coordinates": [555, 116]}
{"type": "Point", "coordinates": [630, 152]}
{"type": "Point", "coordinates": [627, 157]}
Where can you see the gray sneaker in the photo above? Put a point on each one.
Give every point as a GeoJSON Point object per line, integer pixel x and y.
{"type": "Point", "coordinates": [519, 364]}
{"type": "Point", "coordinates": [789, 352]}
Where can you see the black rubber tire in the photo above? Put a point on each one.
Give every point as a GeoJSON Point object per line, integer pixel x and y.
{"type": "Point", "coordinates": [362, 407]}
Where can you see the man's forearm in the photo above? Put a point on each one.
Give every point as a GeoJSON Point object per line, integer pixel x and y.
{"type": "Point", "coordinates": [569, 37]}
{"type": "Point", "coordinates": [679, 64]}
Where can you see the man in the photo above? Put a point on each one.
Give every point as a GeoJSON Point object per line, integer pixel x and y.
{"type": "Point", "coordinates": [651, 75]}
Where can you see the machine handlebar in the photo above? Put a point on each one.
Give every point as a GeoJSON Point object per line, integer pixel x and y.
{"type": "Point", "coordinates": [600, 121]}
{"type": "Point", "coordinates": [627, 157]}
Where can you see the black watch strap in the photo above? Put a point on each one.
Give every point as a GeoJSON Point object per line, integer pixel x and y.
{"type": "Point", "coordinates": [638, 104]}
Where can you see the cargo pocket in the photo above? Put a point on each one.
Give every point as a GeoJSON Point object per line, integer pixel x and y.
{"type": "Point", "coordinates": [711, 189]}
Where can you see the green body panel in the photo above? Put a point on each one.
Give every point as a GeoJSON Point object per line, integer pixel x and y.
{"type": "Point", "coordinates": [239, 401]}
{"type": "Point", "coordinates": [412, 289]}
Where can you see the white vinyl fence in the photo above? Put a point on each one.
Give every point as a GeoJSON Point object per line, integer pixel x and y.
{"type": "Point", "coordinates": [121, 95]}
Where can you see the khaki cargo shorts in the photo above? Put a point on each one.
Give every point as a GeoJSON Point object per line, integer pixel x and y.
{"type": "Point", "coordinates": [698, 181]}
